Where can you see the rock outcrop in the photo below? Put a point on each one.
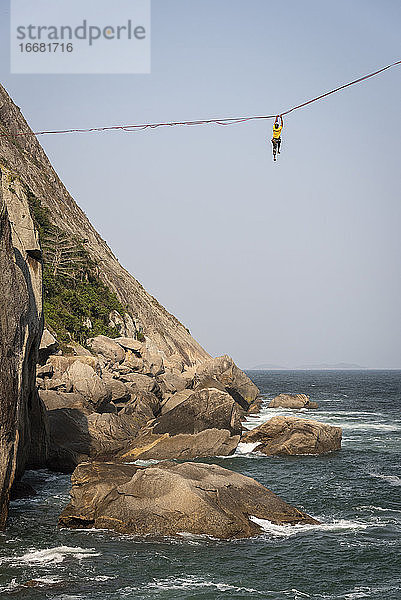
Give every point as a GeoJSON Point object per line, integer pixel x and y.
{"type": "Point", "coordinates": [25, 157]}
{"type": "Point", "coordinates": [85, 381]}
{"type": "Point", "coordinates": [206, 423]}
{"type": "Point", "coordinates": [111, 351]}
{"type": "Point", "coordinates": [235, 382]}
{"type": "Point", "coordinates": [297, 401]}
{"type": "Point", "coordinates": [23, 433]}
{"type": "Point", "coordinates": [292, 436]}
{"type": "Point", "coordinates": [171, 402]}
{"type": "Point", "coordinates": [54, 400]}
{"type": "Point", "coordinates": [168, 499]}
{"type": "Point", "coordinates": [77, 435]}
{"type": "Point", "coordinates": [157, 416]}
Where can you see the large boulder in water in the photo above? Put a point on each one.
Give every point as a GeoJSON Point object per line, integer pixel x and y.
{"type": "Point", "coordinates": [235, 382]}
{"type": "Point", "coordinates": [292, 401]}
{"type": "Point", "coordinates": [76, 436]}
{"type": "Point", "coordinates": [291, 436]}
{"type": "Point", "coordinates": [168, 499]}
{"type": "Point", "coordinates": [207, 423]}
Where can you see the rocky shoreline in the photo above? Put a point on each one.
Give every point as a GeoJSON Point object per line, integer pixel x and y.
{"type": "Point", "coordinates": [130, 401]}
{"type": "Point", "coordinates": [127, 402]}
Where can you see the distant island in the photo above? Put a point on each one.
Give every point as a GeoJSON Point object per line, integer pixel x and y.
{"type": "Point", "coordinates": [341, 366]}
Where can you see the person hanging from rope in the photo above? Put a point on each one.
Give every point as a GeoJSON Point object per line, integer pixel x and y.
{"type": "Point", "coordinates": [276, 139]}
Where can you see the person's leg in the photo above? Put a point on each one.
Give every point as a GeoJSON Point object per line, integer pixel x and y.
{"type": "Point", "coordinates": [278, 145]}
{"type": "Point", "coordinates": [274, 149]}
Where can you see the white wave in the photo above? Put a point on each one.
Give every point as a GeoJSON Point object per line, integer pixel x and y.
{"type": "Point", "coordinates": [48, 580]}
{"type": "Point", "coordinates": [378, 508]}
{"type": "Point", "coordinates": [359, 592]}
{"type": "Point", "coordinates": [145, 463]}
{"type": "Point", "coordinates": [246, 448]}
{"type": "Point", "coordinates": [365, 592]}
{"type": "Point", "coordinates": [391, 479]}
{"type": "Point", "coordinates": [291, 530]}
{"type": "Point", "coordinates": [90, 530]}
{"type": "Point", "coordinates": [193, 539]}
{"type": "Point", "coordinates": [366, 426]}
{"type": "Point", "coordinates": [70, 597]}
{"type": "Point", "coordinates": [241, 453]}
{"type": "Point", "coordinates": [357, 413]}
{"type": "Point", "coordinates": [190, 583]}
{"type": "Point", "coordinates": [52, 555]}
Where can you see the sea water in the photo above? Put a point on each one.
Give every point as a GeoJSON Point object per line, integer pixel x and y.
{"type": "Point", "coordinates": [355, 493]}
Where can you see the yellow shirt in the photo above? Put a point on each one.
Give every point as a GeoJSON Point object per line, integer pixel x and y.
{"type": "Point", "coordinates": [277, 132]}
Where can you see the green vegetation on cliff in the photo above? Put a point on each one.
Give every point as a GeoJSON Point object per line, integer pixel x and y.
{"type": "Point", "coordinates": [76, 303]}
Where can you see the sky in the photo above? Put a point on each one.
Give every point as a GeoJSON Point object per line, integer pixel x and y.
{"type": "Point", "coordinates": [288, 263]}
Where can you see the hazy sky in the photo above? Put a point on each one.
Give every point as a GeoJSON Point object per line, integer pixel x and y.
{"type": "Point", "coordinates": [291, 262]}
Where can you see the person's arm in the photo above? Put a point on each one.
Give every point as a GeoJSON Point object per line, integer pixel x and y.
{"type": "Point", "coordinates": [281, 120]}
{"type": "Point", "coordinates": [277, 117]}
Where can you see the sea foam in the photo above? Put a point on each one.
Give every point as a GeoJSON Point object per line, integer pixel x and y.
{"type": "Point", "coordinates": [284, 531]}
{"type": "Point", "coordinates": [52, 555]}
{"type": "Point", "coordinates": [246, 448]}
{"type": "Point", "coordinates": [191, 583]}
{"type": "Point", "coordinates": [391, 479]}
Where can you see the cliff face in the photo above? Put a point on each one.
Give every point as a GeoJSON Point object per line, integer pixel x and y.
{"type": "Point", "coordinates": [23, 433]}
{"type": "Point", "coordinates": [24, 156]}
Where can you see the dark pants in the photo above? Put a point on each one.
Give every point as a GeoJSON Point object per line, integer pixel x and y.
{"type": "Point", "coordinates": [276, 145]}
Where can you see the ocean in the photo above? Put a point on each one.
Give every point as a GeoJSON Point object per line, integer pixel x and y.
{"type": "Point", "coordinates": [355, 493]}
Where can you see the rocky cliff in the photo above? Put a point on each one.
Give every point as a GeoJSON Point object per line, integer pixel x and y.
{"type": "Point", "coordinates": [23, 157]}
{"type": "Point", "coordinates": [23, 432]}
